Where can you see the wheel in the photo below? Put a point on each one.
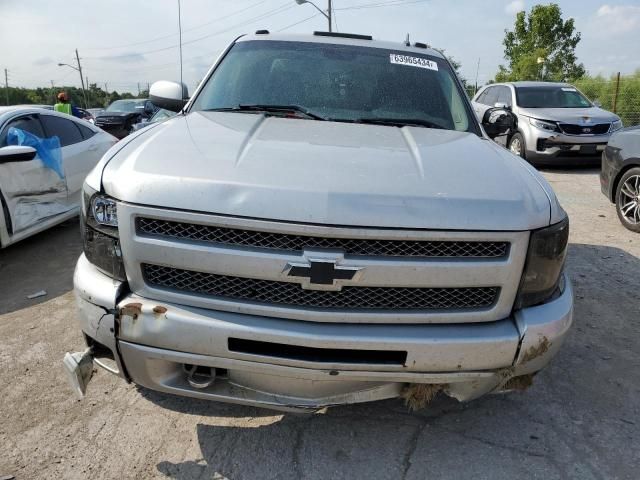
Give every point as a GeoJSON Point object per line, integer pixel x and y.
{"type": "Point", "coordinates": [628, 199]}
{"type": "Point", "coordinates": [516, 144]}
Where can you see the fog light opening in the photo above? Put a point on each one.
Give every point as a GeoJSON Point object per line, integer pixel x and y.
{"type": "Point", "coordinates": [199, 376]}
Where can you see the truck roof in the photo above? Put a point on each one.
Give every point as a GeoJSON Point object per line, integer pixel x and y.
{"type": "Point", "coordinates": [336, 39]}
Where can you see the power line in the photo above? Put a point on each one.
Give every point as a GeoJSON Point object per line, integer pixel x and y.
{"type": "Point", "coordinates": [298, 23]}
{"type": "Point", "coordinates": [389, 3]}
{"type": "Point", "coordinates": [284, 7]}
{"type": "Point", "coordinates": [151, 40]}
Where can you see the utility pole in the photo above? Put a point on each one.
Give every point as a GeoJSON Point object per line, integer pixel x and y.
{"type": "Point", "coordinates": [88, 90]}
{"type": "Point", "coordinates": [328, 14]}
{"type": "Point", "coordinates": [138, 89]}
{"type": "Point", "coordinates": [53, 92]}
{"type": "Point", "coordinates": [84, 92]}
{"type": "Point", "coordinates": [6, 84]}
{"type": "Point", "coordinates": [477, 71]}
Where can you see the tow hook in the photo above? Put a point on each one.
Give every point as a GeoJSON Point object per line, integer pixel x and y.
{"type": "Point", "coordinates": [79, 369]}
{"type": "Point", "coordinates": [200, 377]}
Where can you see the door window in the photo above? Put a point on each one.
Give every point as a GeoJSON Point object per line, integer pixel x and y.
{"type": "Point", "coordinates": [491, 97]}
{"type": "Point", "coordinates": [28, 123]}
{"type": "Point", "coordinates": [86, 131]}
{"type": "Point", "coordinates": [504, 96]}
{"type": "Point", "coordinates": [66, 130]}
{"type": "Point", "coordinates": [482, 96]}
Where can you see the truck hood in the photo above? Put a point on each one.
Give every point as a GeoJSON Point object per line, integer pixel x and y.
{"type": "Point", "coordinates": [577, 116]}
{"type": "Point", "coordinates": [329, 173]}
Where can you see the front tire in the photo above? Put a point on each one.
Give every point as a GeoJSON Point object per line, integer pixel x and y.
{"type": "Point", "coordinates": [516, 145]}
{"type": "Point", "coordinates": [628, 199]}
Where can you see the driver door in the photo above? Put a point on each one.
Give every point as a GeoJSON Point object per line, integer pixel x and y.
{"type": "Point", "coordinates": [31, 192]}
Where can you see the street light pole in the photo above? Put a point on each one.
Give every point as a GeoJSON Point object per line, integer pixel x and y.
{"type": "Point", "coordinates": [84, 92]}
{"type": "Point", "coordinates": [326, 14]}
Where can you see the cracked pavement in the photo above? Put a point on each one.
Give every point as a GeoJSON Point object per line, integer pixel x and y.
{"type": "Point", "coordinates": [580, 419]}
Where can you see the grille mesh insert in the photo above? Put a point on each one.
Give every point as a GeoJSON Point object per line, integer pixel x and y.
{"type": "Point", "coordinates": [597, 129]}
{"type": "Point", "coordinates": [292, 294]}
{"type": "Point", "coordinates": [351, 246]}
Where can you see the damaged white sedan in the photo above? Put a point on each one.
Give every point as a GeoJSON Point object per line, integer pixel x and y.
{"type": "Point", "coordinates": [44, 158]}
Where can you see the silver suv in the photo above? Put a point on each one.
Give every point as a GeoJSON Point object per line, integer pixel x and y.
{"type": "Point", "coordinates": [555, 122]}
{"type": "Point", "coordinates": [324, 223]}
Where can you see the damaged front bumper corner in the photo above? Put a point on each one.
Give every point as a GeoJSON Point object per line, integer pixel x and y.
{"type": "Point", "coordinates": [186, 351]}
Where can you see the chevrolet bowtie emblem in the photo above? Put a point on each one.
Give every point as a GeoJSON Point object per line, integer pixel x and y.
{"type": "Point", "coordinates": [321, 274]}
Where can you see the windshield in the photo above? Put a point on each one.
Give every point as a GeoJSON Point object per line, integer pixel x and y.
{"type": "Point", "coordinates": [339, 83]}
{"type": "Point", "coordinates": [551, 97]}
{"type": "Point", "coordinates": [126, 106]}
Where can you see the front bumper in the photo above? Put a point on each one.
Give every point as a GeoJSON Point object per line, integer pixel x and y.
{"type": "Point", "coordinates": [118, 130]}
{"type": "Point", "coordinates": [150, 343]}
{"type": "Point", "coordinates": [543, 146]}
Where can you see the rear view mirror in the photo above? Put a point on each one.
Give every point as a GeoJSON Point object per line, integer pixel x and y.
{"type": "Point", "coordinates": [17, 153]}
{"type": "Point", "coordinates": [498, 121]}
{"type": "Point", "coordinates": [597, 103]}
{"type": "Point", "coordinates": [169, 95]}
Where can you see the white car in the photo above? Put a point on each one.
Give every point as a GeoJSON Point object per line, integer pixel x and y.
{"type": "Point", "coordinates": [33, 195]}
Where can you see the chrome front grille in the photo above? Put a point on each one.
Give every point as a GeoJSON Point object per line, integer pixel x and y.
{"type": "Point", "coordinates": [297, 243]}
{"type": "Point", "coordinates": [242, 289]}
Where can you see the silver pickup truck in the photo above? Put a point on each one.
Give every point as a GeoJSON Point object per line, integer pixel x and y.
{"type": "Point", "coordinates": [324, 223]}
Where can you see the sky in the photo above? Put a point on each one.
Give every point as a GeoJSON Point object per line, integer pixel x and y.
{"type": "Point", "coordinates": [124, 43]}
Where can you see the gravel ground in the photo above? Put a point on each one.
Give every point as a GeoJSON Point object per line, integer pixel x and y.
{"type": "Point", "coordinates": [581, 418]}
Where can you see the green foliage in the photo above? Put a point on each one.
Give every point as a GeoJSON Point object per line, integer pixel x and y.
{"type": "Point", "coordinates": [604, 89]}
{"type": "Point", "coordinates": [541, 34]}
{"type": "Point", "coordinates": [96, 97]}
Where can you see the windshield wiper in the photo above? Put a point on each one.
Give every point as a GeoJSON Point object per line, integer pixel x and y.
{"type": "Point", "coordinates": [400, 122]}
{"type": "Point", "coordinates": [268, 109]}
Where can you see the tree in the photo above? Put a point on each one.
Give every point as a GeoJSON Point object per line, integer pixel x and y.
{"type": "Point", "coordinates": [542, 34]}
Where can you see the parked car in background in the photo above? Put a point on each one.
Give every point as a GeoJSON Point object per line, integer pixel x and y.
{"type": "Point", "coordinates": [620, 175]}
{"type": "Point", "coordinates": [325, 223]}
{"type": "Point", "coordinates": [160, 115]}
{"type": "Point", "coordinates": [556, 123]}
{"type": "Point", "coordinates": [95, 111]}
{"type": "Point", "coordinates": [119, 118]}
{"type": "Point", "coordinates": [41, 177]}
{"type": "Point", "coordinates": [86, 115]}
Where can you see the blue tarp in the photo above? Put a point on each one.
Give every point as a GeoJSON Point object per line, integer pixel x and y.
{"type": "Point", "coordinates": [48, 148]}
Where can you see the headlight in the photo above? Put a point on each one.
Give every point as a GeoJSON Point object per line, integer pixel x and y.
{"type": "Point", "coordinates": [99, 226]}
{"type": "Point", "coordinates": [617, 125]}
{"type": "Point", "coordinates": [544, 264]}
{"type": "Point", "coordinates": [544, 125]}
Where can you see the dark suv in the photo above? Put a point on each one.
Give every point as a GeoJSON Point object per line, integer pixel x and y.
{"type": "Point", "coordinates": [120, 117]}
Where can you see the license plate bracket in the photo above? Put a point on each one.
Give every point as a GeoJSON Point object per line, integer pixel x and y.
{"type": "Point", "coordinates": [588, 149]}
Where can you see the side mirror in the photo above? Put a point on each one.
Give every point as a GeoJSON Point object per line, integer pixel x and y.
{"type": "Point", "coordinates": [148, 109]}
{"type": "Point", "coordinates": [169, 95]}
{"type": "Point", "coordinates": [498, 121]}
{"type": "Point", "coordinates": [502, 105]}
{"type": "Point", "coordinates": [597, 103]}
{"type": "Point", "coordinates": [17, 153]}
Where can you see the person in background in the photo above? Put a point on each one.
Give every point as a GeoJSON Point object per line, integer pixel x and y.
{"type": "Point", "coordinates": [64, 106]}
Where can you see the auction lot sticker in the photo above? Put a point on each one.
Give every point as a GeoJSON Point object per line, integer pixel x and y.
{"type": "Point", "coordinates": [413, 61]}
